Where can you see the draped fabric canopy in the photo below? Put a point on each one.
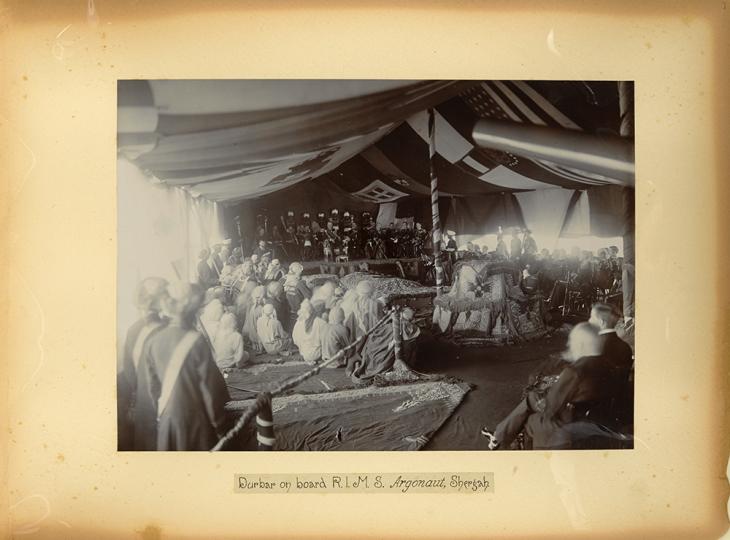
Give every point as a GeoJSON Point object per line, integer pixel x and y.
{"type": "Point", "coordinates": [230, 141]}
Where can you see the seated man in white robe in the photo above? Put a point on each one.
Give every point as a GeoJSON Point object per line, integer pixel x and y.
{"type": "Point", "coordinates": [307, 333]}
{"type": "Point", "coordinates": [347, 303]}
{"type": "Point", "coordinates": [255, 307]}
{"type": "Point", "coordinates": [367, 310]}
{"type": "Point", "coordinates": [228, 344]}
{"type": "Point", "coordinates": [210, 318]}
{"type": "Point", "coordinates": [335, 336]}
{"type": "Point", "coordinates": [271, 332]}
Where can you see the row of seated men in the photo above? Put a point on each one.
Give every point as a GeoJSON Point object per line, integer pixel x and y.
{"type": "Point", "coordinates": [171, 382]}
{"type": "Point", "coordinates": [331, 236]}
{"type": "Point", "coordinates": [595, 276]}
{"type": "Point", "coordinates": [582, 400]}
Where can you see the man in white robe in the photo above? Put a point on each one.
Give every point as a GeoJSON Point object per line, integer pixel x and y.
{"type": "Point", "coordinates": [307, 333]}
{"type": "Point", "coordinates": [271, 332]}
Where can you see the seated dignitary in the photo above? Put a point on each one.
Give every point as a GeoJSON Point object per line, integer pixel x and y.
{"type": "Point", "coordinates": [147, 299]}
{"type": "Point", "coordinates": [335, 336]}
{"type": "Point", "coordinates": [604, 318]}
{"type": "Point", "coordinates": [276, 297]}
{"type": "Point", "coordinates": [367, 309]}
{"type": "Point", "coordinates": [255, 308]}
{"type": "Point", "coordinates": [296, 288]}
{"type": "Point", "coordinates": [210, 317]}
{"type": "Point", "coordinates": [577, 410]}
{"type": "Point", "coordinates": [307, 333]}
{"type": "Point", "coordinates": [376, 354]}
{"type": "Point", "coordinates": [228, 344]}
{"type": "Point", "coordinates": [274, 271]}
{"type": "Point", "coordinates": [185, 382]}
{"type": "Point", "coordinates": [271, 332]}
{"type": "Point", "coordinates": [618, 353]}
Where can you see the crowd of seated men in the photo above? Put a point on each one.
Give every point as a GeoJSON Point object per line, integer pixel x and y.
{"type": "Point", "coordinates": [197, 332]}
{"type": "Point", "coordinates": [595, 276]}
{"type": "Point", "coordinates": [337, 236]}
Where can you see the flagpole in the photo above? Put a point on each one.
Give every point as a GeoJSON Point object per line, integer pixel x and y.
{"type": "Point", "coordinates": [435, 218]}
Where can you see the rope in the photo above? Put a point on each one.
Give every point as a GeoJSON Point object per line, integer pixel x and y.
{"type": "Point", "coordinates": [291, 383]}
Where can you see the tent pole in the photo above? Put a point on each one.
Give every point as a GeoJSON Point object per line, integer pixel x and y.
{"type": "Point", "coordinates": [435, 218]}
{"type": "Point", "coordinates": [626, 129]}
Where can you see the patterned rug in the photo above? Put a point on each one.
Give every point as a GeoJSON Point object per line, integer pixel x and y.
{"type": "Point", "coordinates": [402, 417]}
{"type": "Point", "coordinates": [387, 286]}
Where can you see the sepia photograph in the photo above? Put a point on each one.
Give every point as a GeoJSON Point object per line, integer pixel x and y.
{"type": "Point", "coordinates": [375, 268]}
{"type": "Point", "coordinates": [375, 265]}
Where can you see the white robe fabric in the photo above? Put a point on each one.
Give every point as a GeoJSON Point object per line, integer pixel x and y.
{"type": "Point", "coordinates": [272, 334]}
{"type": "Point", "coordinates": [211, 317]}
{"type": "Point", "coordinates": [309, 343]}
{"type": "Point", "coordinates": [228, 347]}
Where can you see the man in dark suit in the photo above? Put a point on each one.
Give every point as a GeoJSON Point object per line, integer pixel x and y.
{"type": "Point", "coordinates": [616, 351]}
{"type": "Point", "coordinates": [604, 318]}
{"type": "Point", "coordinates": [533, 400]}
{"type": "Point", "coordinates": [581, 407]}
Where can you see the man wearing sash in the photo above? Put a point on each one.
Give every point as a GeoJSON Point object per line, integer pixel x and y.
{"type": "Point", "coordinates": [147, 298]}
{"type": "Point", "coordinates": [185, 381]}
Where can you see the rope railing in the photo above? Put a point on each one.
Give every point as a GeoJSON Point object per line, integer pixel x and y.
{"type": "Point", "coordinates": [264, 399]}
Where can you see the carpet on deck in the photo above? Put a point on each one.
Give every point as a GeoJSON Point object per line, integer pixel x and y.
{"type": "Point", "coordinates": [401, 417]}
{"type": "Point", "coordinates": [246, 382]}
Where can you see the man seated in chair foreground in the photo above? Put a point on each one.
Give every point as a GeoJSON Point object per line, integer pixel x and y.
{"type": "Point", "coordinates": [579, 409]}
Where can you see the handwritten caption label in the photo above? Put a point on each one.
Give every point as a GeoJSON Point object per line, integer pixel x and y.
{"type": "Point", "coordinates": [461, 482]}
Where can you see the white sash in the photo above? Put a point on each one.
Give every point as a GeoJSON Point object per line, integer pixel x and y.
{"type": "Point", "coordinates": [141, 338]}
{"type": "Point", "coordinates": [173, 368]}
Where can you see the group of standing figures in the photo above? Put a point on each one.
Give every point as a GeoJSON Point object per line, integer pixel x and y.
{"type": "Point", "coordinates": [333, 236]}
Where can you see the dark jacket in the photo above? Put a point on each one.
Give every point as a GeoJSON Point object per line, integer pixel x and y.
{"type": "Point", "coordinates": [617, 351]}
{"type": "Point", "coordinates": [206, 275]}
{"type": "Point", "coordinates": [588, 392]}
{"type": "Point", "coordinates": [620, 355]}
